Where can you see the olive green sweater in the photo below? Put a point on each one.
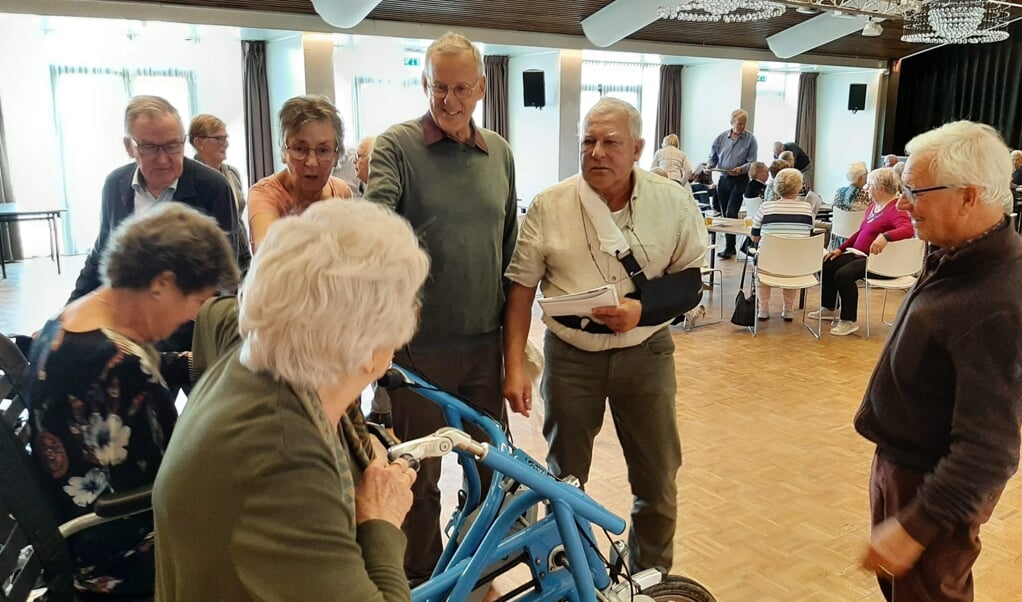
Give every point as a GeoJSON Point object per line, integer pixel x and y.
{"type": "Point", "coordinates": [461, 200]}
{"type": "Point", "coordinates": [255, 498]}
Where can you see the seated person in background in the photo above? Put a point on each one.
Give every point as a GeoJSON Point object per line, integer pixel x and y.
{"type": "Point", "coordinates": [793, 153]}
{"type": "Point", "coordinates": [890, 161]}
{"type": "Point", "coordinates": [808, 195]}
{"type": "Point", "coordinates": [845, 265]}
{"type": "Point", "coordinates": [758, 175]}
{"type": "Point", "coordinates": [854, 196]}
{"type": "Point", "coordinates": [673, 160]}
{"type": "Point", "coordinates": [98, 398]}
{"type": "Point", "coordinates": [311, 140]}
{"type": "Point", "coordinates": [1016, 167]}
{"type": "Point", "coordinates": [786, 215]}
{"type": "Point", "coordinates": [268, 489]}
{"type": "Point", "coordinates": [775, 168]}
{"type": "Point", "coordinates": [704, 190]}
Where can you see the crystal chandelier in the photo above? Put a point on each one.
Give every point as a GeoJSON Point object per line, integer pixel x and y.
{"type": "Point", "coordinates": [728, 11]}
{"type": "Point", "coordinates": [957, 22]}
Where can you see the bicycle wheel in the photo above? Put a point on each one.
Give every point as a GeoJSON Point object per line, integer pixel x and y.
{"type": "Point", "coordinates": [675, 588]}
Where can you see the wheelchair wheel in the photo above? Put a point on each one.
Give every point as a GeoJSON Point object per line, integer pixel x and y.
{"type": "Point", "coordinates": [675, 588]}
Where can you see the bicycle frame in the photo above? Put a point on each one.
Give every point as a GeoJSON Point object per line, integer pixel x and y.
{"type": "Point", "coordinates": [559, 548]}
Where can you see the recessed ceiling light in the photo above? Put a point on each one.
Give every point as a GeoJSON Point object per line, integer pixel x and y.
{"type": "Point", "coordinates": [871, 30]}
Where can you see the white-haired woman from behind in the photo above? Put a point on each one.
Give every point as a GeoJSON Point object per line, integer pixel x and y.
{"type": "Point", "coordinates": [272, 491]}
{"type": "Point", "coordinates": [673, 160]}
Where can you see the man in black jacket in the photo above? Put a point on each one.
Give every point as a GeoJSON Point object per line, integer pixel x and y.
{"type": "Point", "coordinates": [154, 137]}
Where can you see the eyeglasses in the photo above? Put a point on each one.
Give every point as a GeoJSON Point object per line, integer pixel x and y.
{"type": "Point", "coordinates": [219, 139]}
{"type": "Point", "coordinates": [911, 195]}
{"type": "Point", "coordinates": [461, 91]}
{"type": "Point", "coordinates": [148, 150]}
{"type": "Point", "coordinates": [299, 153]}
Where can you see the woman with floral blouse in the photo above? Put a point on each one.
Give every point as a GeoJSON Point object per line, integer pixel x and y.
{"type": "Point", "coordinates": [97, 391]}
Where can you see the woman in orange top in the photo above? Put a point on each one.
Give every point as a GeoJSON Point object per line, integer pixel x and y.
{"type": "Point", "coordinates": [312, 137]}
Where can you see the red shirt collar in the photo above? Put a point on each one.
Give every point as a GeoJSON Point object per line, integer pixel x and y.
{"type": "Point", "coordinates": [431, 134]}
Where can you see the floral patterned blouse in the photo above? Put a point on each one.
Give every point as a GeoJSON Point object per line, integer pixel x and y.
{"type": "Point", "coordinates": [101, 415]}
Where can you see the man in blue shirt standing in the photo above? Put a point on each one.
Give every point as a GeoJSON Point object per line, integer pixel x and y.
{"type": "Point", "coordinates": [733, 151]}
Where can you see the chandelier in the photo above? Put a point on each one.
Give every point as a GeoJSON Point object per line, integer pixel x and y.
{"type": "Point", "coordinates": [728, 11]}
{"type": "Point", "coordinates": [957, 22]}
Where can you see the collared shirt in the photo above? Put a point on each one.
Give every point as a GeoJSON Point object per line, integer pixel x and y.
{"type": "Point", "coordinates": [143, 198]}
{"type": "Point", "coordinates": [729, 153]}
{"type": "Point", "coordinates": [558, 248]}
{"type": "Point", "coordinates": [431, 134]}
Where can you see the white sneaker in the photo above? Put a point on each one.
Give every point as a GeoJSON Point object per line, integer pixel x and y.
{"type": "Point", "coordinates": [843, 328]}
{"type": "Point", "coordinates": [786, 315]}
{"type": "Point", "coordinates": [826, 314]}
{"type": "Point", "coordinates": [694, 315]}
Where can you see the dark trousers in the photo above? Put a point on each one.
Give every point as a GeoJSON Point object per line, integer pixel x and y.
{"type": "Point", "coordinates": [638, 382]}
{"type": "Point", "coordinates": [944, 570]}
{"type": "Point", "coordinates": [730, 190]}
{"type": "Point", "coordinates": [472, 373]}
{"type": "Point", "coordinates": [839, 277]}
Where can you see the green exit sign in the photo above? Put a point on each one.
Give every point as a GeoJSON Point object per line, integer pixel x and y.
{"type": "Point", "coordinates": [412, 61]}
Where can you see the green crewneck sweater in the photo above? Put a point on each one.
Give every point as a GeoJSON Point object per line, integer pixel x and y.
{"type": "Point", "coordinates": [461, 200]}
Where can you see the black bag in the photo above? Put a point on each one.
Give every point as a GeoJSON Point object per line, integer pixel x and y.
{"type": "Point", "coordinates": [745, 307]}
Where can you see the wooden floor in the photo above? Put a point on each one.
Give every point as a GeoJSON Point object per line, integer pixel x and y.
{"type": "Point", "coordinates": [773, 487]}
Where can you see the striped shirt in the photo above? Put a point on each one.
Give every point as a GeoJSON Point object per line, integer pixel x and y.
{"type": "Point", "coordinates": [783, 218]}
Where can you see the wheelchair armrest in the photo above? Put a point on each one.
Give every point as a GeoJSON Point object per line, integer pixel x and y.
{"type": "Point", "coordinates": [114, 505]}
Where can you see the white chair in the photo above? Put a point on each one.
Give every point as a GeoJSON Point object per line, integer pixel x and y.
{"type": "Point", "coordinates": [900, 263]}
{"type": "Point", "coordinates": [845, 223]}
{"type": "Point", "coordinates": [790, 263]}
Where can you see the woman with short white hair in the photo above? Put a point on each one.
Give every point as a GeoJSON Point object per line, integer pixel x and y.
{"type": "Point", "coordinates": [673, 160]}
{"type": "Point", "coordinates": [844, 266]}
{"type": "Point", "coordinates": [270, 489]}
{"type": "Point", "coordinates": [786, 214]}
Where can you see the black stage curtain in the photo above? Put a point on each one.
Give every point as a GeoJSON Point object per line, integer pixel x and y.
{"type": "Point", "coordinates": [979, 82]}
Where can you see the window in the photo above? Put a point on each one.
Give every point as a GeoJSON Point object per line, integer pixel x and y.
{"type": "Point", "coordinates": [634, 83]}
{"type": "Point", "coordinates": [380, 103]}
{"type": "Point", "coordinates": [776, 111]}
{"type": "Point", "coordinates": [89, 109]}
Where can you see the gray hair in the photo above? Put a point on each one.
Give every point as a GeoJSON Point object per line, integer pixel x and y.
{"type": "Point", "coordinates": [671, 140]}
{"type": "Point", "coordinates": [152, 106]}
{"type": "Point", "coordinates": [170, 237]}
{"type": "Point", "coordinates": [1016, 158]}
{"type": "Point", "coordinates": [966, 153]}
{"type": "Point", "coordinates": [301, 110]}
{"type": "Point", "coordinates": [452, 44]}
{"type": "Point", "coordinates": [609, 104]}
{"type": "Point", "coordinates": [886, 179]}
{"type": "Point", "coordinates": [739, 113]}
{"type": "Point", "coordinates": [787, 156]}
{"type": "Point", "coordinates": [327, 289]}
{"type": "Point", "coordinates": [856, 171]}
{"type": "Point", "coordinates": [787, 182]}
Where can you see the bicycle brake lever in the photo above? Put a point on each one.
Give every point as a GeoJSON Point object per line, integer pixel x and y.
{"type": "Point", "coordinates": [430, 446]}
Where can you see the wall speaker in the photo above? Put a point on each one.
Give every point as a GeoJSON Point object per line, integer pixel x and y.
{"type": "Point", "coordinates": [856, 97]}
{"type": "Point", "coordinates": [534, 89]}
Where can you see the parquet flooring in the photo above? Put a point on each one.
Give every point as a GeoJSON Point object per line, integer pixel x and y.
{"type": "Point", "coordinates": [773, 501]}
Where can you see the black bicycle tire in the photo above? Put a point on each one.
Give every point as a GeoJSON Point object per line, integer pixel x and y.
{"type": "Point", "coordinates": [675, 588]}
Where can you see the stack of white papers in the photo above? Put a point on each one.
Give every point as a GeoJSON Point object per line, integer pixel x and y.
{"type": "Point", "coordinates": [580, 304]}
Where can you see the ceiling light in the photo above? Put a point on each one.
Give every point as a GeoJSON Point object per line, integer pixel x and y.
{"type": "Point", "coordinates": [957, 22]}
{"type": "Point", "coordinates": [872, 29]}
{"type": "Point", "coordinates": [728, 11]}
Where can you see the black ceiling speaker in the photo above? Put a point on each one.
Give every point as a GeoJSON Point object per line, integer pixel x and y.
{"type": "Point", "coordinates": [534, 89]}
{"type": "Point", "coordinates": [856, 97]}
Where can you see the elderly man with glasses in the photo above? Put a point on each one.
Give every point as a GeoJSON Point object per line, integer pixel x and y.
{"type": "Point", "coordinates": [943, 404]}
{"type": "Point", "coordinates": [454, 181]}
{"type": "Point", "coordinates": [154, 137]}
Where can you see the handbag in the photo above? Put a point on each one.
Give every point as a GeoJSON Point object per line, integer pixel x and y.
{"type": "Point", "coordinates": [745, 307]}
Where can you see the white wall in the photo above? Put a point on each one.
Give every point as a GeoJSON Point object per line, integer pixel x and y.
{"type": "Point", "coordinates": [708, 95]}
{"type": "Point", "coordinates": [842, 136]}
{"type": "Point", "coordinates": [26, 91]}
{"type": "Point", "coordinates": [285, 74]}
{"type": "Point", "coordinates": [534, 134]}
